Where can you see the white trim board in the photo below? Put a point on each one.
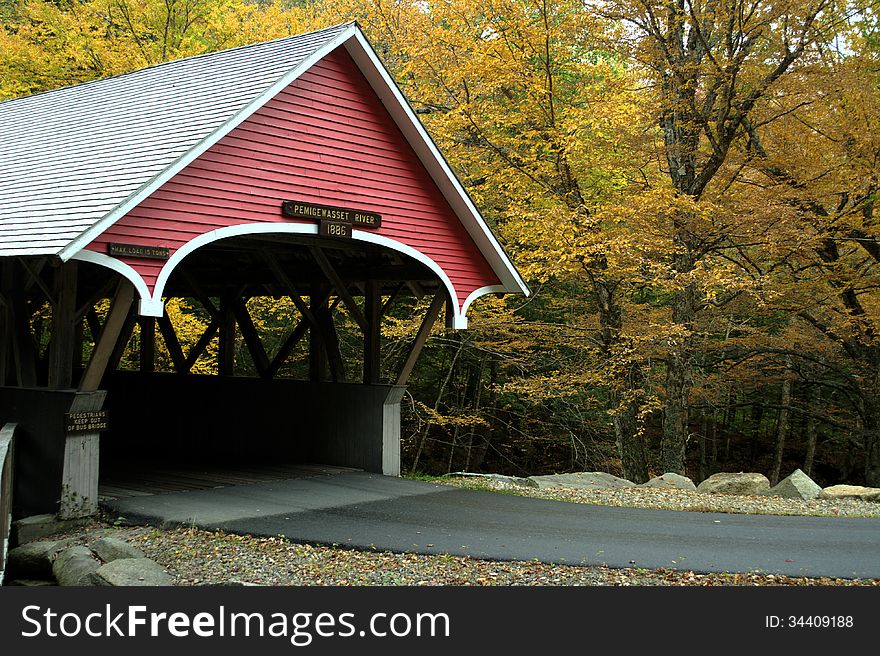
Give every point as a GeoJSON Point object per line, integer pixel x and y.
{"type": "Point", "coordinates": [152, 305]}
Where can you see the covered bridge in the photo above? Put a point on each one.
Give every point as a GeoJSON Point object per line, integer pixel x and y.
{"type": "Point", "coordinates": [293, 167]}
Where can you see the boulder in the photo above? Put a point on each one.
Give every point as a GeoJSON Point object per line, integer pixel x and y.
{"type": "Point", "coordinates": [581, 480]}
{"type": "Point", "coordinates": [796, 486]}
{"type": "Point", "coordinates": [34, 559]}
{"type": "Point", "coordinates": [851, 492]}
{"type": "Point", "coordinates": [38, 527]}
{"type": "Point", "coordinates": [501, 478]}
{"type": "Point", "coordinates": [75, 566]}
{"type": "Point", "coordinates": [133, 571]}
{"type": "Point", "coordinates": [110, 548]}
{"type": "Point", "coordinates": [672, 481]}
{"type": "Point", "coordinates": [745, 483]}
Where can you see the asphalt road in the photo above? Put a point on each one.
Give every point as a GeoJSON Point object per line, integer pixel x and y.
{"type": "Point", "coordinates": [369, 511]}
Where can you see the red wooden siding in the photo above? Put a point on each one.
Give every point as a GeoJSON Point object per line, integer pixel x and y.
{"type": "Point", "coordinates": [325, 139]}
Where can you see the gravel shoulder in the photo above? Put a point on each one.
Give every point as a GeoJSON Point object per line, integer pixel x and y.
{"type": "Point", "coordinates": [673, 499]}
{"type": "Point", "coordinates": [197, 557]}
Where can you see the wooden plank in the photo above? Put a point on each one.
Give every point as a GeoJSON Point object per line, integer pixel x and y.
{"type": "Point", "coordinates": [290, 288]}
{"type": "Point", "coordinates": [251, 337]}
{"type": "Point", "coordinates": [339, 286]}
{"type": "Point", "coordinates": [373, 333]}
{"type": "Point", "coordinates": [23, 346]}
{"type": "Point", "coordinates": [6, 357]}
{"type": "Point", "coordinates": [391, 298]}
{"type": "Point", "coordinates": [63, 327]}
{"type": "Point", "coordinates": [317, 352]}
{"type": "Point", "coordinates": [94, 324]}
{"type": "Point", "coordinates": [124, 338]}
{"type": "Point", "coordinates": [147, 358]}
{"type": "Point", "coordinates": [226, 354]}
{"type": "Point", "coordinates": [178, 359]}
{"type": "Point", "coordinates": [34, 277]}
{"type": "Point", "coordinates": [104, 291]}
{"type": "Point", "coordinates": [79, 478]}
{"type": "Point", "coordinates": [7, 459]}
{"type": "Point", "coordinates": [421, 337]}
{"type": "Point", "coordinates": [199, 293]}
{"type": "Point", "coordinates": [110, 336]}
{"type": "Point", "coordinates": [202, 343]}
{"type": "Point", "coordinates": [286, 347]}
{"type": "Point", "coordinates": [290, 342]}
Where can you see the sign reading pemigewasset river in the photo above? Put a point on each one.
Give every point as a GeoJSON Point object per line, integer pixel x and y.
{"type": "Point", "coordinates": [301, 210]}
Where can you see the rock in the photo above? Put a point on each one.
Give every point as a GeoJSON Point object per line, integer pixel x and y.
{"type": "Point", "coordinates": [851, 492]}
{"type": "Point", "coordinates": [744, 483]}
{"type": "Point", "coordinates": [796, 486]}
{"type": "Point", "coordinates": [581, 480]}
{"type": "Point", "coordinates": [109, 549]}
{"type": "Point", "coordinates": [76, 566]}
{"type": "Point", "coordinates": [133, 571]}
{"type": "Point", "coordinates": [31, 583]}
{"type": "Point", "coordinates": [512, 480]}
{"type": "Point", "coordinates": [37, 527]}
{"type": "Point", "coordinates": [34, 559]}
{"type": "Point", "coordinates": [671, 480]}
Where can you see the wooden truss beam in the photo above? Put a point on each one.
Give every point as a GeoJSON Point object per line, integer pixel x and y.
{"type": "Point", "coordinates": [60, 375]}
{"type": "Point", "coordinates": [421, 337]}
{"type": "Point", "coordinates": [120, 314]}
{"type": "Point", "coordinates": [251, 337]}
{"type": "Point", "coordinates": [169, 336]}
{"type": "Point", "coordinates": [339, 286]}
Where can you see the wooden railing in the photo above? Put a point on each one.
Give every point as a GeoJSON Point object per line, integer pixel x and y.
{"type": "Point", "coordinates": [7, 443]}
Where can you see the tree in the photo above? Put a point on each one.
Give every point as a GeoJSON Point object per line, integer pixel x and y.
{"type": "Point", "coordinates": [713, 66]}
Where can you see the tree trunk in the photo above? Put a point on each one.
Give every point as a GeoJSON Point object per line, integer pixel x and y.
{"type": "Point", "coordinates": [872, 441]}
{"type": "Point", "coordinates": [679, 378]}
{"type": "Point", "coordinates": [629, 439]}
{"type": "Point", "coordinates": [812, 426]}
{"type": "Point", "coordinates": [782, 424]}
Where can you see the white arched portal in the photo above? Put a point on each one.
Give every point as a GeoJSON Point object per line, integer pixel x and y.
{"type": "Point", "coordinates": [152, 305]}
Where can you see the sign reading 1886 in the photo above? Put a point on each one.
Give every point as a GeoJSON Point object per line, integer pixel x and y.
{"type": "Point", "coordinates": [334, 221]}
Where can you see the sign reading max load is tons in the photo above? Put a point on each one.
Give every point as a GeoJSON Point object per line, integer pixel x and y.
{"type": "Point", "coordinates": [334, 221]}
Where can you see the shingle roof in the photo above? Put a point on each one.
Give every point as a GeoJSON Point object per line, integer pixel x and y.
{"type": "Point", "coordinates": [71, 156]}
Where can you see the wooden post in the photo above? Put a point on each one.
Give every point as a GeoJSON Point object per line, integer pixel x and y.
{"type": "Point", "coordinates": [251, 337]}
{"type": "Point", "coordinates": [79, 478]}
{"type": "Point", "coordinates": [200, 346]}
{"type": "Point", "coordinates": [5, 321]}
{"type": "Point", "coordinates": [23, 346]}
{"type": "Point", "coordinates": [421, 337]}
{"type": "Point", "coordinates": [226, 355]}
{"type": "Point", "coordinates": [317, 353]}
{"type": "Point", "coordinates": [125, 334]}
{"type": "Point", "coordinates": [339, 286]}
{"type": "Point", "coordinates": [148, 344]}
{"type": "Point", "coordinates": [373, 333]}
{"type": "Point", "coordinates": [7, 455]}
{"type": "Point", "coordinates": [331, 343]}
{"type": "Point", "coordinates": [63, 328]}
{"type": "Point", "coordinates": [110, 335]}
{"type": "Point", "coordinates": [178, 360]}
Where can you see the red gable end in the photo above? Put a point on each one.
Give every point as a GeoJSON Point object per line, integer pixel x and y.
{"type": "Point", "coordinates": [325, 139]}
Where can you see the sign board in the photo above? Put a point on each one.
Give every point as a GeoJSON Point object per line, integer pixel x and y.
{"type": "Point", "coordinates": [135, 250]}
{"type": "Point", "coordinates": [86, 422]}
{"type": "Point", "coordinates": [334, 221]}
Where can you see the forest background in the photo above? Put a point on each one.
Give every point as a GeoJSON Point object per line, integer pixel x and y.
{"type": "Point", "coordinates": [687, 185]}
